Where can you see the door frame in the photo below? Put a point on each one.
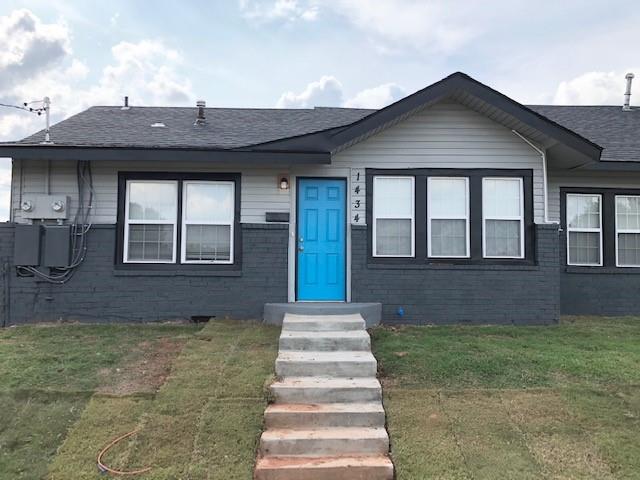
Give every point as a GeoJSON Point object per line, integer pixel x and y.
{"type": "Point", "coordinates": [292, 293]}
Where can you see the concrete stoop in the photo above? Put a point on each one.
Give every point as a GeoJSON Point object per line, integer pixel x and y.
{"type": "Point", "coordinates": [327, 421]}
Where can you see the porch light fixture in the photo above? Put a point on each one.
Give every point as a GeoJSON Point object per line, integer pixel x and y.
{"type": "Point", "coordinates": [283, 182]}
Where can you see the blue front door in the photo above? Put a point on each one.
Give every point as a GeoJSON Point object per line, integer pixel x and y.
{"type": "Point", "coordinates": [321, 238]}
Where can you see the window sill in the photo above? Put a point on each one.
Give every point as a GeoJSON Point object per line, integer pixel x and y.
{"type": "Point", "coordinates": [449, 266]}
{"type": "Point", "coordinates": [130, 272]}
{"type": "Point", "coordinates": [603, 270]}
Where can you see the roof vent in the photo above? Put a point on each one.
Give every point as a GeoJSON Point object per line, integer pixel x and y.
{"type": "Point", "coordinates": [126, 104]}
{"type": "Point", "coordinates": [158, 125]}
{"type": "Point", "coordinates": [200, 119]}
{"type": "Point", "coordinates": [627, 94]}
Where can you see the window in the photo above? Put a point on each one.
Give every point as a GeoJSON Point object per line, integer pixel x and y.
{"type": "Point", "coordinates": [186, 220]}
{"type": "Point", "coordinates": [584, 229]}
{"type": "Point", "coordinates": [393, 216]}
{"type": "Point", "coordinates": [207, 222]}
{"type": "Point", "coordinates": [448, 216]}
{"type": "Point", "coordinates": [628, 231]}
{"type": "Point", "coordinates": [150, 221]}
{"type": "Point", "coordinates": [503, 218]}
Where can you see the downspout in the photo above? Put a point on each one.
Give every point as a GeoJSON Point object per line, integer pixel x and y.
{"type": "Point", "coordinates": [545, 202]}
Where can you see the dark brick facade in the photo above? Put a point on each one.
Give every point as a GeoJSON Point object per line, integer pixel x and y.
{"type": "Point", "coordinates": [520, 294]}
{"type": "Point", "coordinates": [607, 291]}
{"type": "Point", "coordinates": [99, 292]}
{"type": "Point", "coordinates": [441, 294]}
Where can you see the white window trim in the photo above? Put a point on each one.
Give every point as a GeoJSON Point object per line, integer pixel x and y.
{"type": "Point", "coordinates": [520, 218]}
{"type": "Point", "coordinates": [625, 230]}
{"type": "Point", "coordinates": [174, 222]}
{"type": "Point", "coordinates": [586, 230]}
{"type": "Point", "coordinates": [412, 218]}
{"type": "Point", "coordinates": [449, 217]}
{"type": "Point", "coordinates": [185, 222]}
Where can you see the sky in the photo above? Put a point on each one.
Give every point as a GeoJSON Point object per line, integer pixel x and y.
{"type": "Point", "coordinates": [303, 53]}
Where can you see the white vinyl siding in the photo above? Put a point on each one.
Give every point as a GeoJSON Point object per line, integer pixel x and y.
{"type": "Point", "coordinates": [628, 231]}
{"type": "Point", "coordinates": [502, 217]}
{"type": "Point", "coordinates": [445, 135]}
{"type": "Point", "coordinates": [207, 221]}
{"type": "Point", "coordinates": [584, 229]}
{"type": "Point", "coordinates": [448, 217]}
{"type": "Point", "coordinates": [151, 215]}
{"type": "Point", "coordinates": [586, 179]}
{"type": "Point", "coordinates": [259, 186]}
{"type": "Point", "coordinates": [393, 216]}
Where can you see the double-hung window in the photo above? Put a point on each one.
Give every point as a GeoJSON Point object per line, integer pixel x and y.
{"type": "Point", "coordinates": [503, 217]}
{"type": "Point", "coordinates": [448, 217]}
{"type": "Point", "coordinates": [207, 222]}
{"type": "Point", "coordinates": [627, 231]}
{"type": "Point", "coordinates": [584, 229]}
{"type": "Point", "coordinates": [151, 216]}
{"type": "Point", "coordinates": [393, 216]}
{"type": "Point", "coordinates": [179, 220]}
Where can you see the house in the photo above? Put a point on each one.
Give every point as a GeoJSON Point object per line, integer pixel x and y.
{"type": "Point", "coordinates": [454, 204]}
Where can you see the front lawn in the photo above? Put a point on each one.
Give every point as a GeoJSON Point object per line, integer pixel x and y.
{"type": "Point", "coordinates": [472, 402]}
{"type": "Point", "coordinates": [196, 395]}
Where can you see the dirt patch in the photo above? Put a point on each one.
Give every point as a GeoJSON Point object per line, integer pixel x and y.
{"type": "Point", "coordinates": [144, 370]}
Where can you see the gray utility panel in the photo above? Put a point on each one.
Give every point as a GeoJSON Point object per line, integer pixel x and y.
{"type": "Point", "coordinates": [26, 247]}
{"type": "Point", "coordinates": [57, 245]}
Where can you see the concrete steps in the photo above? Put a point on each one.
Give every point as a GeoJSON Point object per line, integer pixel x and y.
{"type": "Point", "coordinates": [326, 364]}
{"type": "Point", "coordinates": [322, 415]}
{"type": "Point", "coordinates": [327, 421]}
{"type": "Point", "coordinates": [317, 323]}
{"type": "Point", "coordinates": [326, 341]}
{"type": "Point", "coordinates": [360, 467]}
{"type": "Point", "coordinates": [324, 441]}
{"type": "Point", "coordinates": [326, 390]}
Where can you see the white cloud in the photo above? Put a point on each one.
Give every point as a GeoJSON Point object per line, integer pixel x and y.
{"type": "Point", "coordinates": [29, 46]}
{"type": "Point", "coordinates": [39, 61]}
{"type": "Point", "coordinates": [326, 92]}
{"type": "Point", "coordinates": [376, 97]}
{"type": "Point", "coordinates": [391, 25]}
{"type": "Point", "coordinates": [279, 10]}
{"type": "Point", "coordinates": [329, 92]}
{"type": "Point", "coordinates": [594, 88]}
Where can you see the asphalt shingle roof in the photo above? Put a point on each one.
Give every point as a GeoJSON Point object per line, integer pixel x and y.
{"type": "Point", "coordinates": [225, 128]}
{"type": "Point", "coordinates": [617, 131]}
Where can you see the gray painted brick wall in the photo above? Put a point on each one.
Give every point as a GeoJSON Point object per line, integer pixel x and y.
{"type": "Point", "coordinates": [441, 294]}
{"type": "Point", "coordinates": [597, 290]}
{"type": "Point", "coordinates": [462, 294]}
{"type": "Point", "coordinates": [97, 293]}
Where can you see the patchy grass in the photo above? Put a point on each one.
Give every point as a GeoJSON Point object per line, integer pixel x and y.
{"type": "Point", "coordinates": [196, 395]}
{"type": "Point", "coordinates": [560, 402]}
{"type": "Point", "coordinates": [579, 352]}
{"type": "Point", "coordinates": [204, 422]}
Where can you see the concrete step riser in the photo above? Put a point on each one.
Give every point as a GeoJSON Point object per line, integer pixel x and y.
{"type": "Point", "coordinates": [325, 344]}
{"type": "Point", "coordinates": [361, 369]}
{"type": "Point", "coordinates": [338, 473]}
{"type": "Point", "coordinates": [300, 420]}
{"type": "Point", "coordinates": [323, 446]}
{"type": "Point", "coordinates": [322, 326]}
{"type": "Point", "coordinates": [325, 395]}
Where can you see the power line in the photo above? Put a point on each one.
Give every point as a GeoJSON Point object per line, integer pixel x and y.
{"type": "Point", "coordinates": [25, 108]}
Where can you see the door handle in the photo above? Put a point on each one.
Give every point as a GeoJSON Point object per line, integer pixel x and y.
{"type": "Point", "coordinates": [300, 248]}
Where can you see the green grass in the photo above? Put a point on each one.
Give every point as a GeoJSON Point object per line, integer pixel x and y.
{"type": "Point", "coordinates": [558, 402]}
{"type": "Point", "coordinates": [60, 390]}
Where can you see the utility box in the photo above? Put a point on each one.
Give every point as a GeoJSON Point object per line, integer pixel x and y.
{"type": "Point", "coordinates": [26, 246]}
{"type": "Point", "coordinates": [45, 207]}
{"type": "Point", "coordinates": [57, 245]}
